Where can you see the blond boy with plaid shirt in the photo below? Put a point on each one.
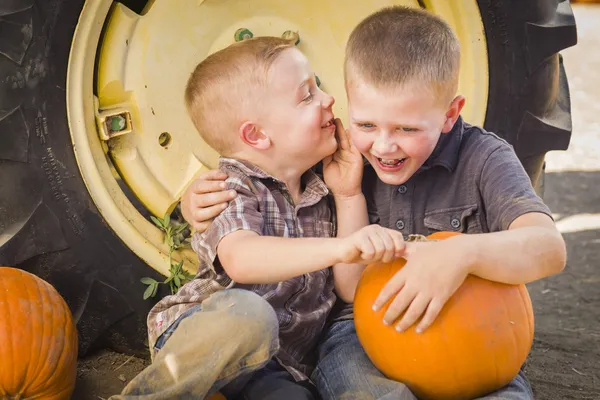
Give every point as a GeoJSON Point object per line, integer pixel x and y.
{"type": "Point", "coordinates": [249, 324]}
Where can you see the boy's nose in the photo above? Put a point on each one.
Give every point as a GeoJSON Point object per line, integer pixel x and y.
{"type": "Point", "coordinates": [382, 145]}
{"type": "Point", "coordinates": [328, 101]}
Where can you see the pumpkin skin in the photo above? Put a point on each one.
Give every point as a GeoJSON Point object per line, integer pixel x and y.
{"type": "Point", "coordinates": [475, 346]}
{"type": "Point", "coordinates": [38, 339]}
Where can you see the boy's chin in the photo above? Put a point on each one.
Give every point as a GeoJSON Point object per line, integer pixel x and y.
{"type": "Point", "coordinates": [331, 149]}
{"type": "Point", "coordinates": [393, 178]}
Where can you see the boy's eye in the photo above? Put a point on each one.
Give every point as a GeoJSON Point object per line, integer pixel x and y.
{"type": "Point", "coordinates": [407, 129]}
{"type": "Point", "coordinates": [308, 97]}
{"type": "Point", "coordinates": [366, 126]}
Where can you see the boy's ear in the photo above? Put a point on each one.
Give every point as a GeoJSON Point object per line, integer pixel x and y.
{"type": "Point", "coordinates": [453, 113]}
{"type": "Point", "coordinates": [253, 136]}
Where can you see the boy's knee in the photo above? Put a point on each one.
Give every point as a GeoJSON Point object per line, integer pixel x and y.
{"type": "Point", "coordinates": [242, 302]}
{"type": "Point", "coordinates": [238, 320]}
{"type": "Point", "coordinates": [247, 307]}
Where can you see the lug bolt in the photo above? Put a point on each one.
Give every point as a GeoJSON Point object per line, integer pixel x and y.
{"type": "Point", "coordinates": [291, 36]}
{"type": "Point", "coordinates": [242, 34]}
{"type": "Point", "coordinates": [117, 123]}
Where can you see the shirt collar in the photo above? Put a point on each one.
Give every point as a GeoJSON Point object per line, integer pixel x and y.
{"type": "Point", "coordinates": [313, 184]}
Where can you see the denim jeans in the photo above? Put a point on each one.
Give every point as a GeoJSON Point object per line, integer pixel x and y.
{"type": "Point", "coordinates": [213, 347]}
{"type": "Point", "coordinates": [345, 372]}
{"type": "Point", "coordinates": [228, 343]}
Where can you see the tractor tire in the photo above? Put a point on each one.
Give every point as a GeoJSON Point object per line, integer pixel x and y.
{"type": "Point", "coordinates": [529, 103]}
{"type": "Point", "coordinates": [50, 226]}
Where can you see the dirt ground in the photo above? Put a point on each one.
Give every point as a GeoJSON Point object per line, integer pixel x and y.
{"type": "Point", "coordinates": [565, 360]}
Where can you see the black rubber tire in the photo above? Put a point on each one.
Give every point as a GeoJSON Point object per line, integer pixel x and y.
{"type": "Point", "coordinates": [528, 102]}
{"type": "Point", "coordinates": [48, 223]}
{"type": "Point", "coordinates": [50, 226]}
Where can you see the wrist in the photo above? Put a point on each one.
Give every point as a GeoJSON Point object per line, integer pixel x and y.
{"type": "Point", "coordinates": [349, 197]}
{"type": "Point", "coordinates": [469, 252]}
{"type": "Point", "coordinates": [339, 250]}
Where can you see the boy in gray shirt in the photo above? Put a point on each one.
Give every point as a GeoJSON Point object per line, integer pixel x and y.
{"type": "Point", "coordinates": [427, 171]}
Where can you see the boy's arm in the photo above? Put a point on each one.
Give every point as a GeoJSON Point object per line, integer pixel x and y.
{"type": "Point", "coordinates": [525, 244]}
{"type": "Point", "coordinates": [532, 248]}
{"type": "Point", "coordinates": [351, 216]}
{"type": "Point", "coordinates": [250, 258]}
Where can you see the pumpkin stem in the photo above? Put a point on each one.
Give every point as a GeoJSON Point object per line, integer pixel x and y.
{"type": "Point", "coordinates": [419, 238]}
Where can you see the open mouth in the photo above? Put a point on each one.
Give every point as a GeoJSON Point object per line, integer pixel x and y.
{"type": "Point", "coordinates": [328, 124]}
{"type": "Point", "coordinates": [391, 162]}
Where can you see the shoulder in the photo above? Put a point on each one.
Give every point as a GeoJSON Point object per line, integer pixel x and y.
{"type": "Point", "coordinates": [242, 182]}
{"type": "Point", "coordinates": [479, 143]}
{"type": "Point", "coordinates": [481, 150]}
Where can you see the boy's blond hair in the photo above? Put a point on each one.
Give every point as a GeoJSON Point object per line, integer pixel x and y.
{"type": "Point", "coordinates": [226, 87]}
{"type": "Point", "coordinates": [399, 45]}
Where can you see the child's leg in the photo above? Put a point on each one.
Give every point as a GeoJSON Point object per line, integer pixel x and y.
{"type": "Point", "coordinates": [233, 333]}
{"type": "Point", "coordinates": [517, 389]}
{"type": "Point", "coordinates": [344, 369]}
{"type": "Point", "coordinates": [273, 382]}
{"type": "Point", "coordinates": [345, 372]}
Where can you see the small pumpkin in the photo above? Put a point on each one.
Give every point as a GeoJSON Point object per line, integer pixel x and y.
{"type": "Point", "coordinates": [476, 345]}
{"type": "Point", "coordinates": [38, 339]}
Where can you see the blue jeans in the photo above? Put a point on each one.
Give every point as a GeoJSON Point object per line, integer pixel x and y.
{"type": "Point", "coordinates": [345, 372]}
{"type": "Point", "coordinates": [228, 343]}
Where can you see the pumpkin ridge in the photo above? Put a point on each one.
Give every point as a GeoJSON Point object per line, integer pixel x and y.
{"type": "Point", "coordinates": [516, 344]}
{"type": "Point", "coordinates": [39, 356]}
{"type": "Point", "coordinates": [68, 381]}
{"type": "Point", "coordinates": [495, 360]}
{"type": "Point", "coordinates": [51, 350]}
{"type": "Point", "coordinates": [7, 313]}
{"type": "Point", "coordinates": [492, 353]}
{"type": "Point", "coordinates": [10, 329]}
{"type": "Point", "coordinates": [48, 367]}
{"type": "Point", "coordinates": [32, 318]}
{"type": "Point", "coordinates": [525, 299]}
{"type": "Point", "coordinates": [452, 348]}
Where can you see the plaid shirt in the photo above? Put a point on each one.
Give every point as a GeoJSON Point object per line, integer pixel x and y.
{"type": "Point", "coordinates": [264, 205]}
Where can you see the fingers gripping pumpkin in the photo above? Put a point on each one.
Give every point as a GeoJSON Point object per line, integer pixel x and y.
{"type": "Point", "coordinates": [476, 345]}
{"type": "Point", "coordinates": [38, 340]}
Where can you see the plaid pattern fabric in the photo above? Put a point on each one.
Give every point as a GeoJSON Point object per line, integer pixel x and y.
{"type": "Point", "coordinates": [264, 205]}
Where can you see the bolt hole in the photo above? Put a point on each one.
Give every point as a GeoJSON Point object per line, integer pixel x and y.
{"type": "Point", "coordinates": [164, 139]}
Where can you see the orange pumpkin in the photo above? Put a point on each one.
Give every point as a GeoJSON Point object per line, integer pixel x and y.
{"type": "Point", "coordinates": [38, 340]}
{"type": "Point", "coordinates": [476, 345]}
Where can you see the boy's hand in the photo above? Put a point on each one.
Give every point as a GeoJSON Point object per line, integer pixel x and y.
{"type": "Point", "coordinates": [371, 244]}
{"type": "Point", "coordinates": [343, 170]}
{"type": "Point", "coordinates": [205, 198]}
{"type": "Point", "coordinates": [433, 272]}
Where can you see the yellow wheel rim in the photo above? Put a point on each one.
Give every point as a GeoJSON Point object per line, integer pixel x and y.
{"type": "Point", "coordinates": [131, 127]}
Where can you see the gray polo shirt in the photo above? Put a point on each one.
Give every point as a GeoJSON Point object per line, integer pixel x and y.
{"type": "Point", "coordinates": [473, 182]}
